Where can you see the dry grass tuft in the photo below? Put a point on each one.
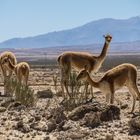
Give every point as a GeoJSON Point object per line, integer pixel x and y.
{"type": "Point", "coordinates": [23, 94]}
{"type": "Point", "coordinates": [79, 93]}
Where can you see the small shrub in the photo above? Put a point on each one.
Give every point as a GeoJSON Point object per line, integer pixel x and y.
{"type": "Point", "coordinates": [22, 93]}
{"type": "Point", "coordinates": [78, 96]}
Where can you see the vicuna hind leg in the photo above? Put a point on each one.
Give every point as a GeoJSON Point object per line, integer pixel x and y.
{"type": "Point", "coordinates": [134, 88]}
{"type": "Point", "coordinates": [131, 90]}
{"type": "Point", "coordinates": [64, 80]}
{"type": "Point", "coordinates": [136, 93]}
{"type": "Point", "coordinates": [26, 78]}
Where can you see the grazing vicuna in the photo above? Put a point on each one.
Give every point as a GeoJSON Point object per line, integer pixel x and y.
{"type": "Point", "coordinates": [21, 70]}
{"type": "Point", "coordinates": [7, 73]}
{"type": "Point", "coordinates": [78, 60]}
{"type": "Point", "coordinates": [121, 75]}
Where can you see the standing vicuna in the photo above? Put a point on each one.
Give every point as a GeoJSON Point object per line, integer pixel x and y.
{"type": "Point", "coordinates": [78, 60]}
{"type": "Point", "coordinates": [121, 75]}
{"type": "Point", "coordinates": [7, 73]}
{"type": "Point", "coordinates": [21, 70]}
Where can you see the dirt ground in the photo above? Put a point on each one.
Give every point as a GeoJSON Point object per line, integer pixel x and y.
{"type": "Point", "coordinates": [41, 79]}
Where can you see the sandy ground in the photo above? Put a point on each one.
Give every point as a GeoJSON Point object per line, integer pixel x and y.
{"type": "Point", "coordinates": [41, 79]}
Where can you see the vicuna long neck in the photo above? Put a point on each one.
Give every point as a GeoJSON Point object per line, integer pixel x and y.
{"type": "Point", "coordinates": [104, 51]}
{"type": "Point", "coordinates": [11, 65]}
{"type": "Point", "coordinates": [93, 83]}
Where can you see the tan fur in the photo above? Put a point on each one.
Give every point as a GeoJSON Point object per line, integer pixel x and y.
{"type": "Point", "coordinates": [21, 70]}
{"type": "Point", "coordinates": [78, 60]}
{"type": "Point", "coordinates": [121, 75]}
{"type": "Point", "coordinates": [7, 73]}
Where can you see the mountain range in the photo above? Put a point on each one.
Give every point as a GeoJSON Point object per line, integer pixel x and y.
{"type": "Point", "coordinates": [122, 30]}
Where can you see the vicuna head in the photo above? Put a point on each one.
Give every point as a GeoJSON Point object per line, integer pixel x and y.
{"type": "Point", "coordinates": [6, 60]}
{"type": "Point", "coordinates": [108, 38]}
{"type": "Point", "coordinates": [83, 75]}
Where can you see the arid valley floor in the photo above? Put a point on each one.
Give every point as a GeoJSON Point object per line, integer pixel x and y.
{"type": "Point", "coordinates": [19, 122]}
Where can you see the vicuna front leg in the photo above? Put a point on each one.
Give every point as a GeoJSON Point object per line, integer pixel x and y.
{"type": "Point", "coordinates": [112, 93]}
{"type": "Point", "coordinates": [6, 75]}
{"type": "Point", "coordinates": [134, 98]}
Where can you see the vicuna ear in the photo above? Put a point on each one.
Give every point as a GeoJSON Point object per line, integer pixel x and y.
{"type": "Point", "coordinates": [104, 36]}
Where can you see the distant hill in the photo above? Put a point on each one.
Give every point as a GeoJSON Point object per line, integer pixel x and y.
{"type": "Point", "coordinates": [122, 30]}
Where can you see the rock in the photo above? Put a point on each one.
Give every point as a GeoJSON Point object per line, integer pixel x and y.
{"type": "Point", "coordinates": [36, 126]}
{"type": "Point", "coordinates": [7, 102]}
{"type": "Point", "coordinates": [2, 109]}
{"type": "Point", "coordinates": [51, 125]}
{"type": "Point", "coordinates": [32, 119]}
{"type": "Point", "coordinates": [56, 119]}
{"type": "Point", "coordinates": [134, 126]}
{"type": "Point", "coordinates": [107, 112]}
{"type": "Point", "coordinates": [79, 112]}
{"type": "Point", "coordinates": [76, 135]}
{"type": "Point", "coordinates": [20, 126]}
{"type": "Point", "coordinates": [52, 137]}
{"type": "Point", "coordinates": [91, 119]}
{"type": "Point", "coordinates": [16, 106]}
{"type": "Point", "coordinates": [124, 106]}
{"type": "Point", "coordinates": [58, 115]}
{"type": "Point", "coordinates": [109, 137]}
{"type": "Point", "coordinates": [38, 118]}
{"type": "Point", "coordinates": [47, 138]}
{"type": "Point", "coordinates": [60, 125]}
{"type": "Point", "coordinates": [66, 127]}
{"type": "Point", "coordinates": [39, 126]}
{"type": "Point", "coordinates": [45, 94]}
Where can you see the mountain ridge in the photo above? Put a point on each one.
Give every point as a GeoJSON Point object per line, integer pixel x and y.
{"type": "Point", "coordinates": [122, 30]}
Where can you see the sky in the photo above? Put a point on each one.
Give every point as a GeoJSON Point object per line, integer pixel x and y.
{"type": "Point", "coordinates": [23, 18]}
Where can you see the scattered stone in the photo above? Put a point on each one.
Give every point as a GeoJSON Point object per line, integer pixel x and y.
{"type": "Point", "coordinates": [58, 115]}
{"type": "Point", "coordinates": [109, 113]}
{"type": "Point", "coordinates": [16, 106]}
{"type": "Point", "coordinates": [20, 126]}
{"type": "Point", "coordinates": [7, 102]}
{"type": "Point", "coordinates": [134, 126]}
{"type": "Point", "coordinates": [45, 94]}
{"type": "Point", "coordinates": [37, 118]}
{"type": "Point", "coordinates": [32, 119]}
{"type": "Point", "coordinates": [124, 106]}
{"type": "Point", "coordinates": [47, 138]}
{"type": "Point", "coordinates": [51, 125]}
{"type": "Point", "coordinates": [36, 126]}
{"type": "Point", "coordinates": [2, 109]}
{"type": "Point", "coordinates": [91, 119]}
{"type": "Point", "coordinates": [76, 135]}
{"type": "Point", "coordinates": [66, 127]}
{"type": "Point", "coordinates": [109, 137]}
